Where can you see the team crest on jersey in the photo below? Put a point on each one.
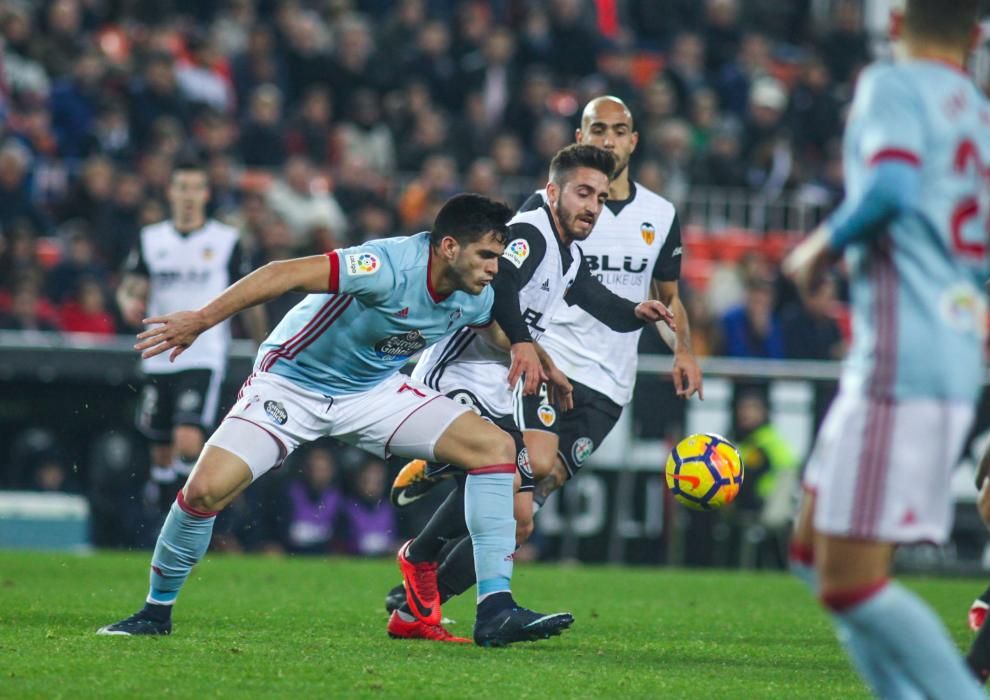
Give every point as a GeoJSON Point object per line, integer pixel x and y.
{"type": "Point", "coordinates": [522, 462]}
{"type": "Point", "coordinates": [455, 316]}
{"type": "Point", "coordinates": [547, 415]}
{"type": "Point", "coordinates": [362, 264]}
{"type": "Point", "coordinates": [188, 400]}
{"type": "Point", "coordinates": [583, 447]}
{"type": "Point", "coordinates": [400, 347]}
{"type": "Point", "coordinates": [276, 411]}
{"type": "Point", "coordinates": [516, 252]}
{"type": "Point", "coordinates": [207, 253]}
{"type": "Point", "coordinates": [648, 231]}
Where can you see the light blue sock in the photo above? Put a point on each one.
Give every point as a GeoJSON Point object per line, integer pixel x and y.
{"type": "Point", "coordinates": [488, 501]}
{"type": "Point", "coordinates": [880, 672]}
{"type": "Point", "coordinates": [182, 542]}
{"type": "Point", "coordinates": [900, 638]}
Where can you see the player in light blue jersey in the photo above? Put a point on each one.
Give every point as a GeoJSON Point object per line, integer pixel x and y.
{"type": "Point", "coordinates": [331, 369]}
{"type": "Point", "coordinates": [913, 231]}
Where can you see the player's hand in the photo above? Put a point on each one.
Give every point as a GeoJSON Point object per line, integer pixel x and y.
{"type": "Point", "coordinates": [653, 311]}
{"type": "Point", "coordinates": [687, 376]}
{"type": "Point", "coordinates": [526, 364]}
{"type": "Point", "coordinates": [559, 387]}
{"type": "Point", "coordinates": [175, 332]}
{"type": "Point", "coordinates": [808, 262]}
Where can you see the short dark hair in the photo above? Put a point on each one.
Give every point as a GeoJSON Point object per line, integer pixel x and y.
{"type": "Point", "coordinates": [187, 163]}
{"type": "Point", "coordinates": [468, 217]}
{"type": "Point", "coordinates": [949, 22]}
{"type": "Point", "coordinates": [580, 155]}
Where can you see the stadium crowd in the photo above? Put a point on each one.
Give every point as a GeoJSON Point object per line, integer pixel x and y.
{"type": "Point", "coordinates": [328, 123]}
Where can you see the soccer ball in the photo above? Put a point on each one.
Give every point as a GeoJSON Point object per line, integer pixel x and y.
{"type": "Point", "coordinates": [704, 471]}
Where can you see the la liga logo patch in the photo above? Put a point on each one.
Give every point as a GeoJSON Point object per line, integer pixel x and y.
{"type": "Point", "coordinates": [362, 264]}
{"type": "Point", "coordinates": [516, 252]}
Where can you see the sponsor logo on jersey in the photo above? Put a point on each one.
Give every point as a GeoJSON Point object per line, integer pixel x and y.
{"type": "Point", "coordinates": [362, 264]}
{"type": "Point", "coordinates": [276, 411]}
{"type": "Point", "coordinates": [400, 347]}
{"type": "Point", "coordinates": [648, 231]}
{"type": "Point", "coordinates": [522, 463]}
{"type": "Point", "coordinates": [516, 252]}
{"type": "Point", "coordinates": [403, 313]}
{"type": "Point", "coordinates": [582, 449]}
{"type": "Point", "coordinates": [547, 415]}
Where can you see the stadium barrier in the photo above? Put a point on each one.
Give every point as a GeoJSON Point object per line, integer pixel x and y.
{"type": "Point", "coordinates": [85, 390]}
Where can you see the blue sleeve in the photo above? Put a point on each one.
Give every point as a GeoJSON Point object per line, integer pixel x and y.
{"type": "Point", "coordinates": [364, 272]}
{"type": "Point", "coordinates": [892, 186]}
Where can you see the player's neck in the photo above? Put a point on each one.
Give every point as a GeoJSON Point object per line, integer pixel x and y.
{"type": "Point", "coordinates": [440, 282]}
{"type": "Point", "coordinates": [926, 51]}
{"type": "Point", "coordinates": [187, 226]}
{"type": "Point", "coordinates": [618, 189]}
{"type": "Point", "coordinates": [558, 229]}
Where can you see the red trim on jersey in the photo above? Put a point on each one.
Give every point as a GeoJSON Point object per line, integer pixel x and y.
{"type": "Point", "coordinates": [844, 600]}
{"type": "Point", "coordinates": [316, 326]}
{"type": "Point", "coordinates": [437, 298]}
{"type": "Point", "coordinates": [425, 403]}
{"type": "Point", "coordinates": [494, 469]}
{"type": "Point", "coordinates": [900, 154]}
{"type": "Point", "coordinates": [283, 451]}
{"type": "Point", "coordinates": [333, 283]}
{"type": "Point", "coordinates": [801, 553]}
{"type": "Point", "coordinates": [189, 510]}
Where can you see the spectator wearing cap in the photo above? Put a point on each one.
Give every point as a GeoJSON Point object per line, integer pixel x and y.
{"type": "Point", "coordinates": [768, 154]}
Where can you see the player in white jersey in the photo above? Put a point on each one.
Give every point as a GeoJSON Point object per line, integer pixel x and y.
{"type": "Point", "coordinates": [913, 233]}
{"type": "Point", "coordinates": [331, 369]}
{"type": "Point", "coordinates": [182, 263]}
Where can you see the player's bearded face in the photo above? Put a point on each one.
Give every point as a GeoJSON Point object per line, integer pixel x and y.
{"type": "Point", "coordinates": [579, 203]}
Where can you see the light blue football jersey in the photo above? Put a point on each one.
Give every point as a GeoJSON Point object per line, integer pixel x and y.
{"type": "Point", "coordinates": [917, 289]}
{"type": "Point", "coordinates": [382, 311]}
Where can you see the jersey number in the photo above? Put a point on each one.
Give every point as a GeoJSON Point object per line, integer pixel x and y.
{"type": "Point", "coordinates": [968, 208]}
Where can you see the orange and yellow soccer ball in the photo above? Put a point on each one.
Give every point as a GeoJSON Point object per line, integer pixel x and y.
{"type": "Point", "coordinates": [704, 471]}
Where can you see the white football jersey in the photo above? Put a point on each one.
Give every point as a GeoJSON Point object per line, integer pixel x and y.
{"type": "Point", "coordinates": [466, 361]}
{"type": "Point", "coordinates": [634, 242]}
{"type": "Point", "coordinates": [185, 272]}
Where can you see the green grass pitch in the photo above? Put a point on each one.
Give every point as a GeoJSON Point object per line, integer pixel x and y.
{"type": "Point", "coordinates": [251, 627]}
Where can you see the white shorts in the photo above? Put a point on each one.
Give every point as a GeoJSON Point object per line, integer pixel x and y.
{"type": "Point", "coordinates": [880, 469]}
{"type": "Point", "coordinates": [487, 381]}
{"type": "Point", "coordinates": [400, 416]}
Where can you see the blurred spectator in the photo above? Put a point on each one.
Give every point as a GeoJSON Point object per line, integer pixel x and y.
{"type": "Point", "coordinates": [736, 77]}
{"type": "Point", "coordinates": [436, 182]}
{"type": "Point", "coordinates": [846, 48]}
{"type": "Point", "coordinates": [15, 188]}
{"type": "Point", "coordinates": [90, 197]}
{"type": "Point", "coordinates": [111, 132]}
{"type": "Point", "coordinates": [202, 76]}
{"type": "Point", "coordinates": [355, 65]}
{"type": "Point", "coordinates": [78, 263]}
{"type": "Point", "coordinates": [721, 165]}
{"type": "Point", "coordinates": [216, 133]}
{"type": "Point", "coordinates": [768, 154]}
{"type": "Point", "coordinates": [366, 135]}
{"type": "Point", "coordinates": [482, 178]}
{"type": "Point", "coordinates": [491, 74]}
{"type": "Point", "coordinates": [575, 49]}
{"type": "Point", "coordinates": [657, 21]}
{"type": "Point", "coordinates": [28, 310]}
{"type": "Point", "coordinates": [304, 202]}
{"type": "Point", "coordinates": [86, 311]}
{"type": "Point", "coordinates": [814, 112]}
{"type": "Point", "coordinates": [261, 143]}
{"type": "Point", "coordinates": [61, 37]}
{"type": "Point", "coordinates": [368, 514]}
{"type": "Point", "coordinates": [471, 136]}
{"type": "Point", "coordinates": [685, 69]}
{"type": "Point", "coordinates": [752, 329]}
{"type": "Point", "coordinates": [529, 106]}
{"type": "Point", "coordinates": [721, 33]}
{"type": "Point", "coordinates": [429, 138]}
{"type": "Point", "coordinates": [615, 61]}
{"type": "Point", "coordinates": [75, 103]}
{"type": "Point", "coordinates": [401, 28]}
{"type": "Point", "coordinates": [310, 129]}
{"type": "Point", "coordinates": [22, 75]}
{"type": "Point", "coordinates": [314, 502]}
{"type": "Point", "coordinates": [810, 330]}
{"type": "Point", "coordinates": [156, 95]}
{"type": "Point", "coordinates": [259, 64]}
{"type": "Point", "coordinates": [433, 63]}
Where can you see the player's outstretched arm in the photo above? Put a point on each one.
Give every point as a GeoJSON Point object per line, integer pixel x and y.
{"type": "Point", "coordinates": [177, 331]}
{"type": "Point", "coordinates": [618, 313]}
{"type": "Point", "coordinates": [686, 372]}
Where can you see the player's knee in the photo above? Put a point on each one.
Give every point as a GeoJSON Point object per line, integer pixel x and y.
{"type": "Point", "coordinates": [201, 495]}
{"type": "Point", "coordinates": [503, 448]}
